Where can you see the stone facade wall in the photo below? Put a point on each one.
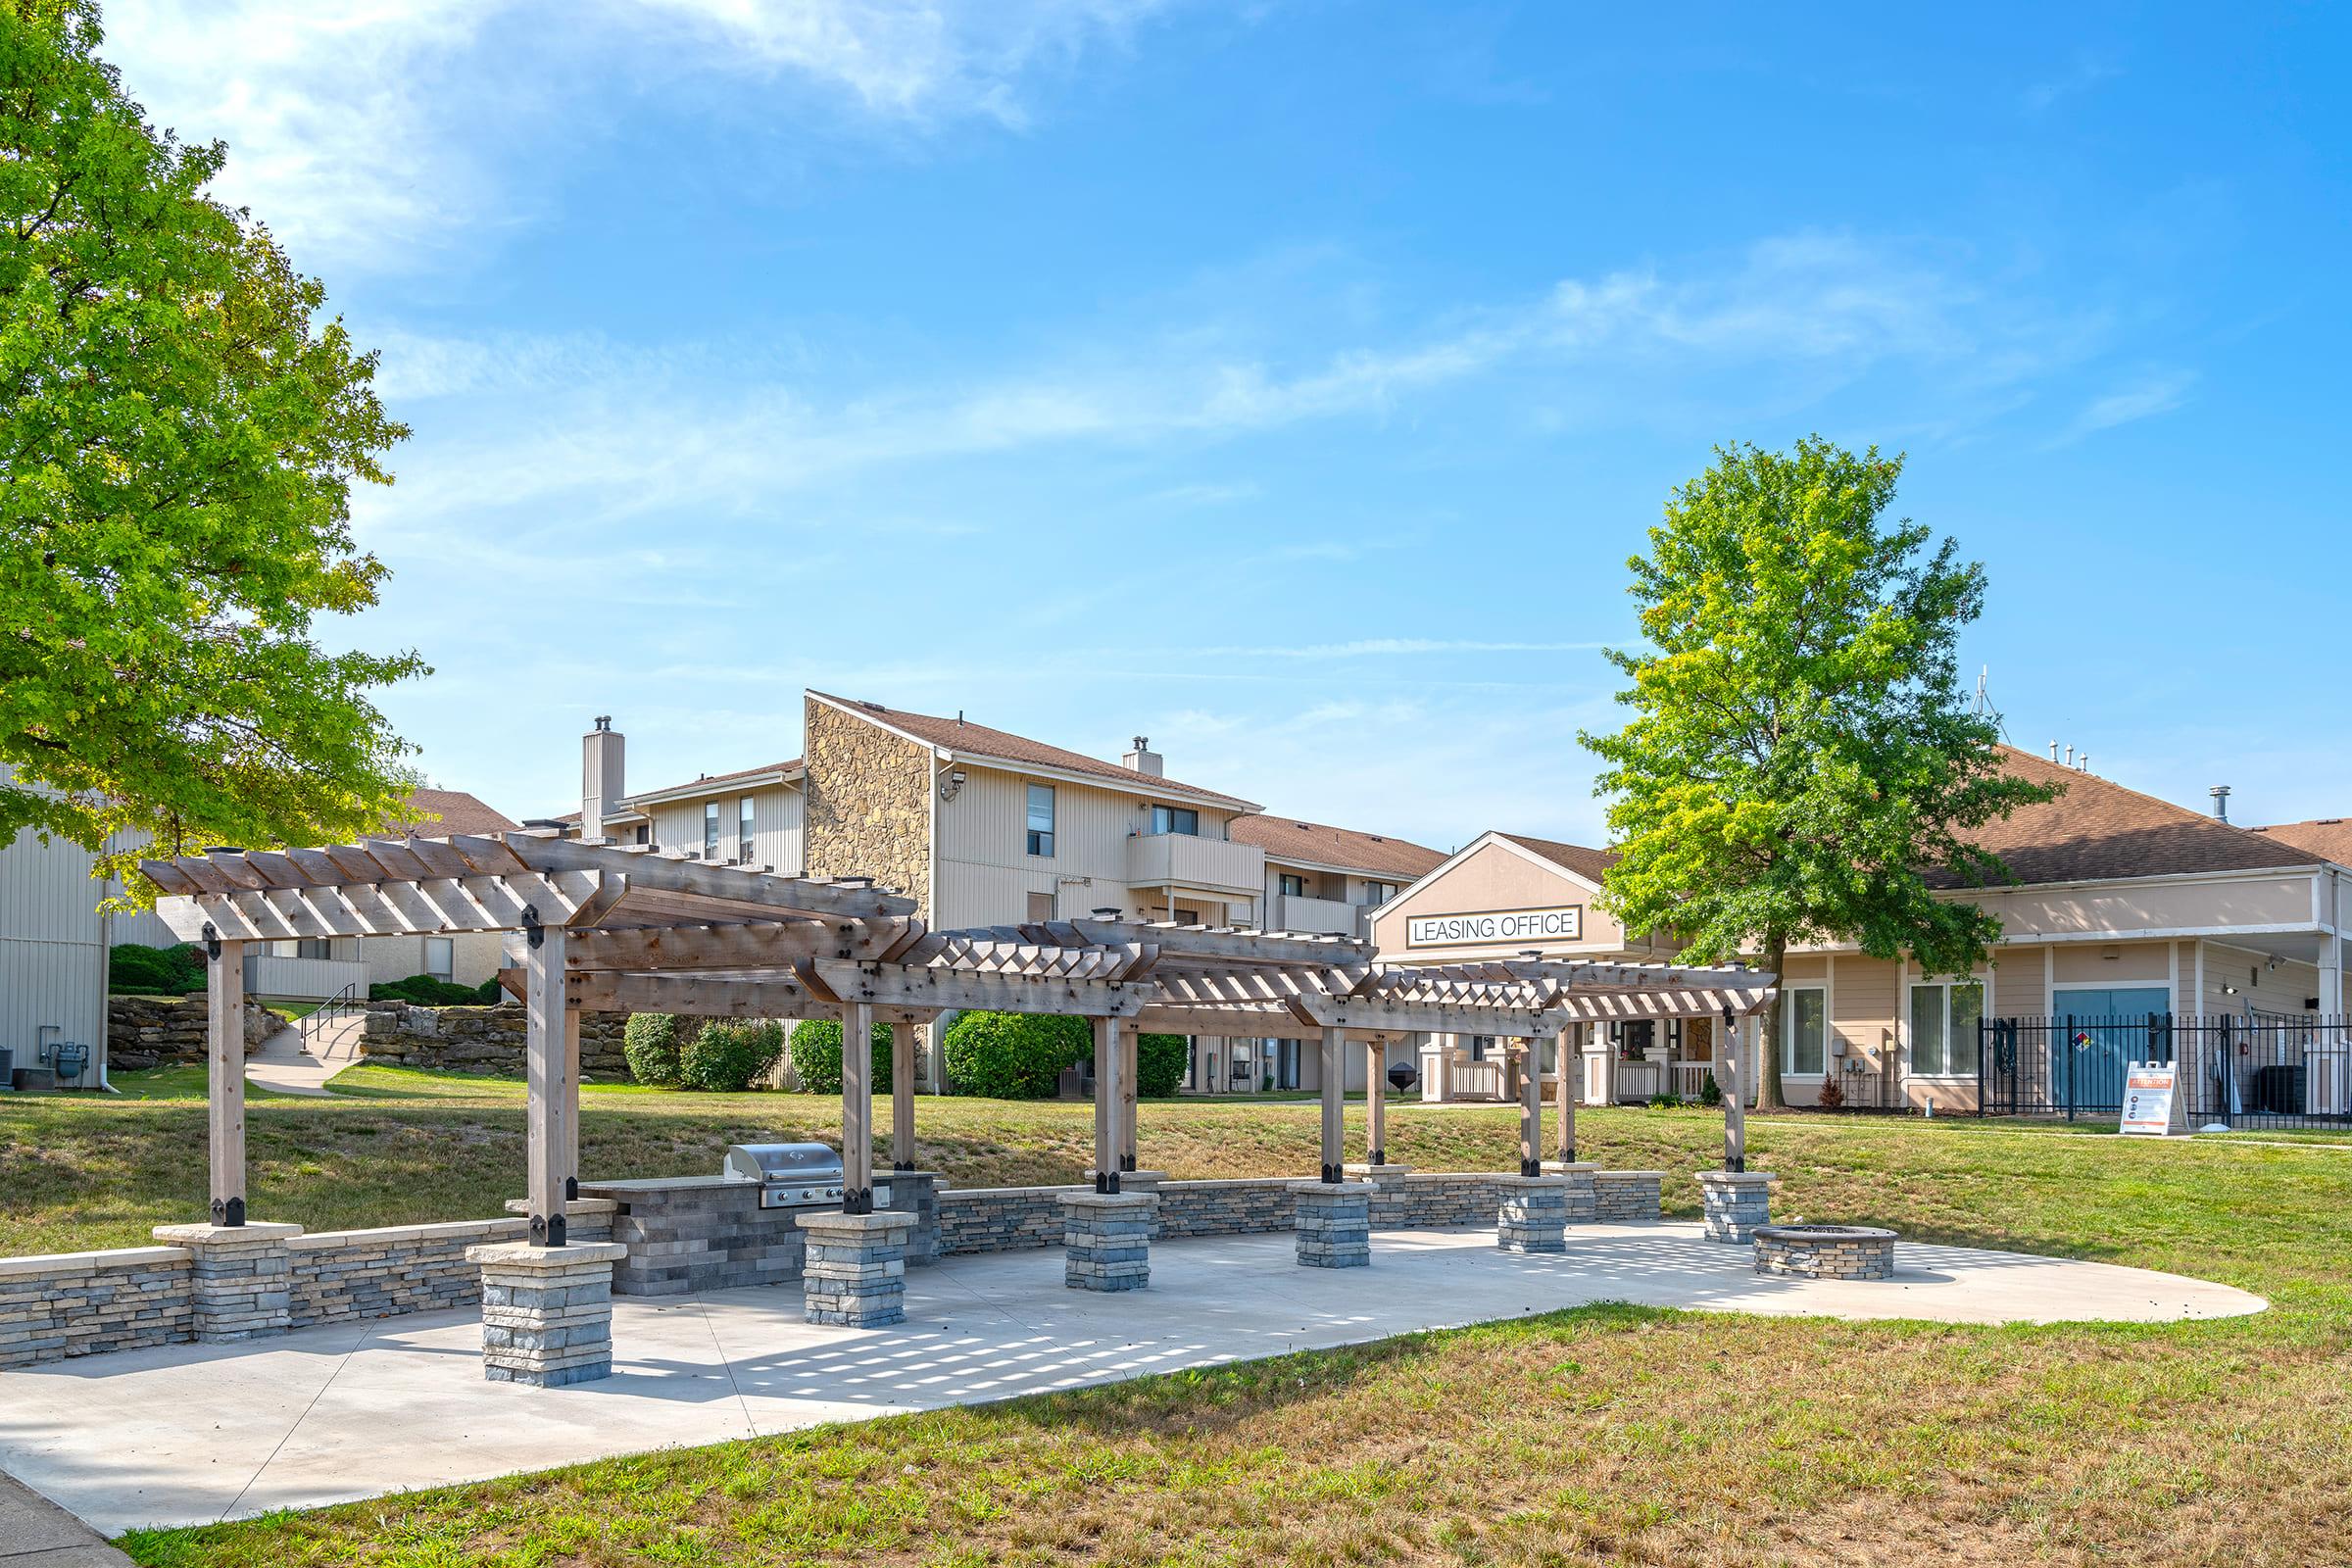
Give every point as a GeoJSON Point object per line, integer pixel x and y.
{"type": "Point", "coordinates": [482, 1040]}
{"type": "Point", "coordinates": [156, 1031]}
{"type": "Point", "coordinates": [1626, 1196]}
{"type": "Point", "coordinates": [343, 1275]}
{"type": "Point", "coordinates": [87, 1304]}
{"type": "Point", "coordinates": [1001, 1219]}
{"type": "Point", "coordinates": [696, 1235]}
{"type": "Point", "coordinates": [869, 795]}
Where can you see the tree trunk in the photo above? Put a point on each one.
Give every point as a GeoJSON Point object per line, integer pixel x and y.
{"type": "Point", "coordinates": [1768, 1051]}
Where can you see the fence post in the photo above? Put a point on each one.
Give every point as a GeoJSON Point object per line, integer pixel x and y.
{"type": "Point", "coordinates": [2066, 1051]}
{"type": "Point", "coordinates": [1982, 1043]}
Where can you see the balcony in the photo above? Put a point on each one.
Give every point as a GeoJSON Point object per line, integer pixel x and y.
{"type": "Point", "coordinates": [1206, 865]}
{"type": "Point", "coordinates": [1323, 916]}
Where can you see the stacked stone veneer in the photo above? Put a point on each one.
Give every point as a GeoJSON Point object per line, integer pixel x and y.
{"type": "Point", "coordinates": [341, 1275]}
{"type": "Point", "coordinates": [1825, 1252]}
{"type": "Point", "coordinates": [1334, 1223]}
{"type": "Point", "coordinates": [240, 1277]}
{"type": "Point", "coordinates": [547, 1312]}
{"type": "Point", "coordinates": [1107, 1238]}
{"type": "Point", "coordinates": [856, 1275]}
{"type": "Point", "coordinates": [695, 1233]}
{"type": "Point", "coordinates": [1735, 1202]}
{"type": "Point", "coordinates": [1533, 1216]}
{"type": "Point", "coordinates": [152, 1031]}
{"type": "Point", "coordinates": [87, 1304]}
{"type": "Point", "coordinates": [1626, 1196]}
{"type": "Point", "coordinates": [481, 1039]}
{"type": "Point", "coordinates": [868, 800]}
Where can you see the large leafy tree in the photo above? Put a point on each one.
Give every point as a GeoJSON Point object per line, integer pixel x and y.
{"type": "Point", "coordinates": [1801, 757]}
{"type": "Point", "coordinates": [180, 434]}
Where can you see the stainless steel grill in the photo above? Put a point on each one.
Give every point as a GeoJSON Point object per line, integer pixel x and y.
{"type": "Point", "coordinates": [790, 1175]}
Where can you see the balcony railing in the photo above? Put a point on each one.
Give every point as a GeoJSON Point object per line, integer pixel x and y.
{"type": "Point", "coordinates": [1186, 861]}
{"type": "Point", "coordinates": [1326, 916]}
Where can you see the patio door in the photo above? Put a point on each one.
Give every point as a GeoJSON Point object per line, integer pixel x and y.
{"type": "Point", "coordinates": [2110, 1026]}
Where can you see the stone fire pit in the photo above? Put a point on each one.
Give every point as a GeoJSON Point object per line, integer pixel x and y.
{"type": "Point", "coordinates": [1825, 1252]}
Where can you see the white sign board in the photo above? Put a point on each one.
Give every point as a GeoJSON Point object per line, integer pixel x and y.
{"type": "Point", "coordinates": [2151, 1099]}
{"type": "Point", "coordinates": [1519, 927]}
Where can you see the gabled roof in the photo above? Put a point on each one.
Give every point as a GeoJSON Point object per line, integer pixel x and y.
{"type": "Point", "coordinates": [967, 739]}
{"type": "Point", "coordinates": [1320, 844]}
{"type": "Point", "coordinates": [457, 810]}
{"type": "Point", "coordinates": [1589, 863]}
{"type": "Point", "coordinates": [708, 782]}
{"type": "Point", "coordinates": [2327, 837]}
{"type": "Point", "coordinates": [2098, 829]}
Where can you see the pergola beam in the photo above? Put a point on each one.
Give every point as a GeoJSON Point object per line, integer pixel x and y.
{"type": "Point", "coordinates": [945, 990]}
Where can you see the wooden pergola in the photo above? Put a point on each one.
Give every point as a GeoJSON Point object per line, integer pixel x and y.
{"type": "Point", "coordinates": [623, 928]}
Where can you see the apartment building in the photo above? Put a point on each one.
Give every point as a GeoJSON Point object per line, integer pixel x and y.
{"type": "Point", "coordinates": [2126, 909]}
{"type": "Point", "coordinates": [985, 827]}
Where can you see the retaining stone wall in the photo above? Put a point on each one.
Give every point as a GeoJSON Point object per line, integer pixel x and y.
{"type": "Point", "coordinates": [1002, 1219]}
{"type": "Point", "coordinates": [87, 1304]}
{"type": "Point", "coordinates": [482, 1040]}
{"type": "Point", "coordinates": [144, 1032]}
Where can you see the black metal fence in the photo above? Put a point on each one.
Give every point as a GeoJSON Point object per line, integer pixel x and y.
{"type": "Point", "coordinates": [2242, 1070]}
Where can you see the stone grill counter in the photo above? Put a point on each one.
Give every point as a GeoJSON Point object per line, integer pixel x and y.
{"type": "Point", "coordinates": [687, 1234]}
{"type": "Point", "coordinates": [1825, 1252]}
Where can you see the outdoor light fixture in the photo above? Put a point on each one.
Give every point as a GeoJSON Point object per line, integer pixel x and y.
{"type": "Point", "coordinates": [951, 784]}
{"type": "Point", "coordinates": [1107, 914]}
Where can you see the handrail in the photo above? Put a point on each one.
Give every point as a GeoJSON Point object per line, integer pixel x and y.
{"type": "Point", "coordinates": [342, 1002]}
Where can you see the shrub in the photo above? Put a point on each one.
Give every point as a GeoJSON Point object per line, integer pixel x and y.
{"type": "Point", "coordinates": [1710, 1093]}
{"type": "Point", "coordinates": [730, 1054]}
{"type": "Point", "coordinates": [1160, 1064]}
{"type": "Point", "coordinates": [650, 1042]}
{"type": "Point", "coordinates": [1832, 1094]}
{"type": "Point", "coordinates": [1662, 1101]}
{"type": "Point", "coordinates": [427, 991]}
{"type": "Point", "coordinates": [136, 969]}
{"type": "Point", "coordinates": [816, 1056]}
{"type": "Point", "coordinates": [1013, 1056]}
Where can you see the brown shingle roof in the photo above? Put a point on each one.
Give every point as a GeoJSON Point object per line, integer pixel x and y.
{"type": "Point", "coordinates": [1287, 839]}
{"type": "Point", "coordinates": [1588, 863]}
{"type": "Point", "coordinates": [2329, 837]}
{"type": "Point", "coordinates": [458, 811]}
{"type": "Point", "coordinates": [978, 740]}
{"type": "Point", "coordinates": [716, 780]}
{"type": "Point", "coordinates": [2099, 829]}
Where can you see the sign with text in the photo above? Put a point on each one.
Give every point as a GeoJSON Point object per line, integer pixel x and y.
{"type": "Point", "coordinates": [2150, 1098]}
{"type": "Point", "coordinates": [1523, 927]}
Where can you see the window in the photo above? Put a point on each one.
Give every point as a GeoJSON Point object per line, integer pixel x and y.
{"type": "Point", "coordinates": [1805, 1031]}
{"type": "Point", "coordinates": [1188, 916]}
{"type": "Point", "coordinates": [1175, 819]}
{"type": "Point", "coordinates": [1040, 819]}
{"type": "Point", "coordinates": [743, 830]}
{"type": "Point", "coordinates": [440, 957]}
{"type": "Point", "coordinates": [1945, 1014]}
{"type": "Point", "coordinates": [1377, 894]}
{"type": "Point", "coordinates": [314, 948]}
{"type": "Point", "coordinates": [645, 833]}
{"type": "Point", "coordinates": [1293, 887]}
{"type": "Point", "coordinates": [709, 830]}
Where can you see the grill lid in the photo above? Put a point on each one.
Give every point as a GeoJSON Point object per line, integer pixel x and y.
{"type": "Point", "coordinates": [782, 1163]}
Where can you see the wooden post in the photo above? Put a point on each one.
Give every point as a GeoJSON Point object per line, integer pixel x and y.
{"type": "Point", "coordinates": [547, 1096]}
{"type": "Point", "coordinates": [1376, 1102]}
{"type": "Point", "coordinates": [856, 1108]}
{"type": "Point", "coordinates": [224, 1055]}
{"type": "Point", "coordinates": [1335, 1104]}
{"type": "Point", "coordinates": [572, 1099]}
{"type": "Point", "coordinates": [1729, 1079]}
{"type": "Point", "coordinates": [1110, 1055]}
{"type": "Point", "coordinates": [901, 1096]}
{"type": "Point", "coordinates": [1130, 1076]}
{"type": "Point", "coordinates": [1568, 1055]}
{"type": "Point", "coordinates": [1531, 1108]}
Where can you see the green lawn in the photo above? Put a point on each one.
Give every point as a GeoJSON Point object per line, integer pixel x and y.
{"type": "Point", "coordinates": [1605, 1435]}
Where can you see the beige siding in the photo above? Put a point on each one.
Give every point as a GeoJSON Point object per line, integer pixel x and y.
{"type": "Point", "coordinates": [776, 825]}
{"type": "Point", "coordinates": [2283, 990]}
{"type": "Point", "coordinates": [52, 950]}
{"type": "Point", "coordinates": [1498, 876]}
{"type": "Point", "coordinates": [2254, 901]}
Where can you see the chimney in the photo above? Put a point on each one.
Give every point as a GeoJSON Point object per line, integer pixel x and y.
{"type": "Point", "coordinates": [1144, 759]}
{"type": "Point", "coordinates": [2220, 801]}
{"type": "Point", "coordinates": [604, 780]}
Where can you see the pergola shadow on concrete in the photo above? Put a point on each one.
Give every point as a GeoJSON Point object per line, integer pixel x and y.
{"type": "Point", "coordinates": [629, 929]}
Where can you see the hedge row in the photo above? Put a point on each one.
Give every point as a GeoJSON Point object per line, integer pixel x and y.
{"type": "Point", "coordinates": [1018, 1055]}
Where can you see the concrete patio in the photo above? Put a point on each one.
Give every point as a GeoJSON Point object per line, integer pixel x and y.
{"type": "Point", "coordinates": [187, 1434]}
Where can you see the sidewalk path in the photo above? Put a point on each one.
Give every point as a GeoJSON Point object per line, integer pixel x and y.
{"type": "Point", "coordinates": [35, 1533]}
{"type": "Point", "coordinates": [284, 1067]}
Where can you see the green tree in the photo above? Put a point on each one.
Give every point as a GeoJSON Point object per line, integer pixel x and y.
{"type": "Point", "coordinates": [179, 437]}
{"type": "Point", "coordinates": [1801, 761]}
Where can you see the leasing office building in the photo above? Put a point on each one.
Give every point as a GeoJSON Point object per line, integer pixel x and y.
{"type": "Point", "coordinates": [2126, 909]}
{"type": "Point", "coordinates": [985, 827]}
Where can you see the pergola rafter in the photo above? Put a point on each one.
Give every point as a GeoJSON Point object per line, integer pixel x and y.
{"type": "Point", "coordinates": [624, 928]}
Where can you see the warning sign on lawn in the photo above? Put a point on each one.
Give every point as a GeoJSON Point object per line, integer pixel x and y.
{"type": "Point", "coordinates": [2151, 1100]}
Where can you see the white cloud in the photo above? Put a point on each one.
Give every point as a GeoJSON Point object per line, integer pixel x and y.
{"type": "Point", "coordinates": [370, 133]}
{"type": "Point", "coordinates": [2142, 399]}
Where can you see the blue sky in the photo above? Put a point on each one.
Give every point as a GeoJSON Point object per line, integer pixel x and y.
{"type": "Point", "coordinates": [1289, 381]}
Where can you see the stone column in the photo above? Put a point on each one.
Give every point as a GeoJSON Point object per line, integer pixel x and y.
{"type": "Point", "coordinates": [1736, 1203]}
{"type": "Point", "coordinates": [1333, 1224]}
{"type": "Point", "coordinates": [856, 1272]}
{"type": "Point", "coordinates": [547, 1311]}
{"type": "Point", "coordinates": [1583, 1200]}
{"type": "Point", "coordinates": [915, 1195]}
{"type": "Point", "coordinates": [241, 1276]}
{"type": "Point", "coordinates": [1107, 1238]}
{"type": "Point", "coordinates": [1534, 1214]}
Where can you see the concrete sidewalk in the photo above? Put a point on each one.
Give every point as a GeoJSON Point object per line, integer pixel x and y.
{"type": "Point", "coordinates": [183, 1434]}
{"type": "Point", "coordinates": [285, 1067]}
{"type": "Point", "coordinates": [35, 1533]}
